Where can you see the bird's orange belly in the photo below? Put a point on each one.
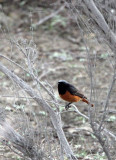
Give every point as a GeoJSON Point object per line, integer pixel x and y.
{"type": "Point", "coordinates": [69, 97]}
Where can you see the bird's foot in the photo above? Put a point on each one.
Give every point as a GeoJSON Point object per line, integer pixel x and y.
{"type": "Point", "coordinates": [67, 106]}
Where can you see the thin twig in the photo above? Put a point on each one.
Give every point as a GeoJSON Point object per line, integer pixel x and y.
{"type": "Point", "coordinates": [53, 14]}
{"type": "Point", "coordinates": [14, 63]}
{"type": "Point", "coordinates": [106, 102]}
{"type": "Point", "coordinates": [55, 116]}
{"type": "Point", "coordinates": [86, 117]}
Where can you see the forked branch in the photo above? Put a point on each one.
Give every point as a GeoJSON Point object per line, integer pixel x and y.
{"type": "Point", "coordinates": [55, 116]}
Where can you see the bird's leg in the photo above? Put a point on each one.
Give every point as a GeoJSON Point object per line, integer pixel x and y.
{"type": "Point", "coordinates": [68, 106]}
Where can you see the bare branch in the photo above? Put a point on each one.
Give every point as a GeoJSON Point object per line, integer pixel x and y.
{"type": "Point", "coordinates": [107, 100]}
{"type": "Point", "coordinates": [89, 8]}
{"type": "Point", "coordinates": [102, 25]}
{"type": "Point", "coordinates": [55, 117]}
{"type": "Point", "coordinates": [86, 117]}
{"type": "Point", "coordinates": [53, 14]}
{"type": "Point", "coordinates": [20, 143]}
{"type": "Point", "coordinates": [8, 59]}
{"type": "Point", "coordinates": [95, 22]}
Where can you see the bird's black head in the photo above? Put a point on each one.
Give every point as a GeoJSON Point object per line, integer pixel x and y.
{"type": "Point", "coordinates": [62, 86]}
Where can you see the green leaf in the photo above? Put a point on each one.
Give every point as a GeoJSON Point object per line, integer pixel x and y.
{"type": "Point", "coordinates": [18, 107]}
{"type": "Point", "coordinates": [7, 108]}
{"type": "Point", "coordinates": [61, 55]}
{"type": "Point", "coordinates": [58, 19]}
{"type": "Point", "coordinates": [42, 113]}
{"type": "Point", "coordinates": [104, 55]}
{"type": "Point", "coordinates": [82, 59]}
{"type": "Point", "coordinates": [111, 118]}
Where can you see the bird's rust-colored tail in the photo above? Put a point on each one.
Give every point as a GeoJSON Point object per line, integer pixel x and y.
{"type": "Point", "coordinates": [86, 101]}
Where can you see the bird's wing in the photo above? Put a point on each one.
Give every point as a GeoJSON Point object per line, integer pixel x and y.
{"type": "Point", "coordinates": [75, 91]}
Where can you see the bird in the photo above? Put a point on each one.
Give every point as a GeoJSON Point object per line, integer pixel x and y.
{"type": "Point", "coordinates": [70, 93]}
